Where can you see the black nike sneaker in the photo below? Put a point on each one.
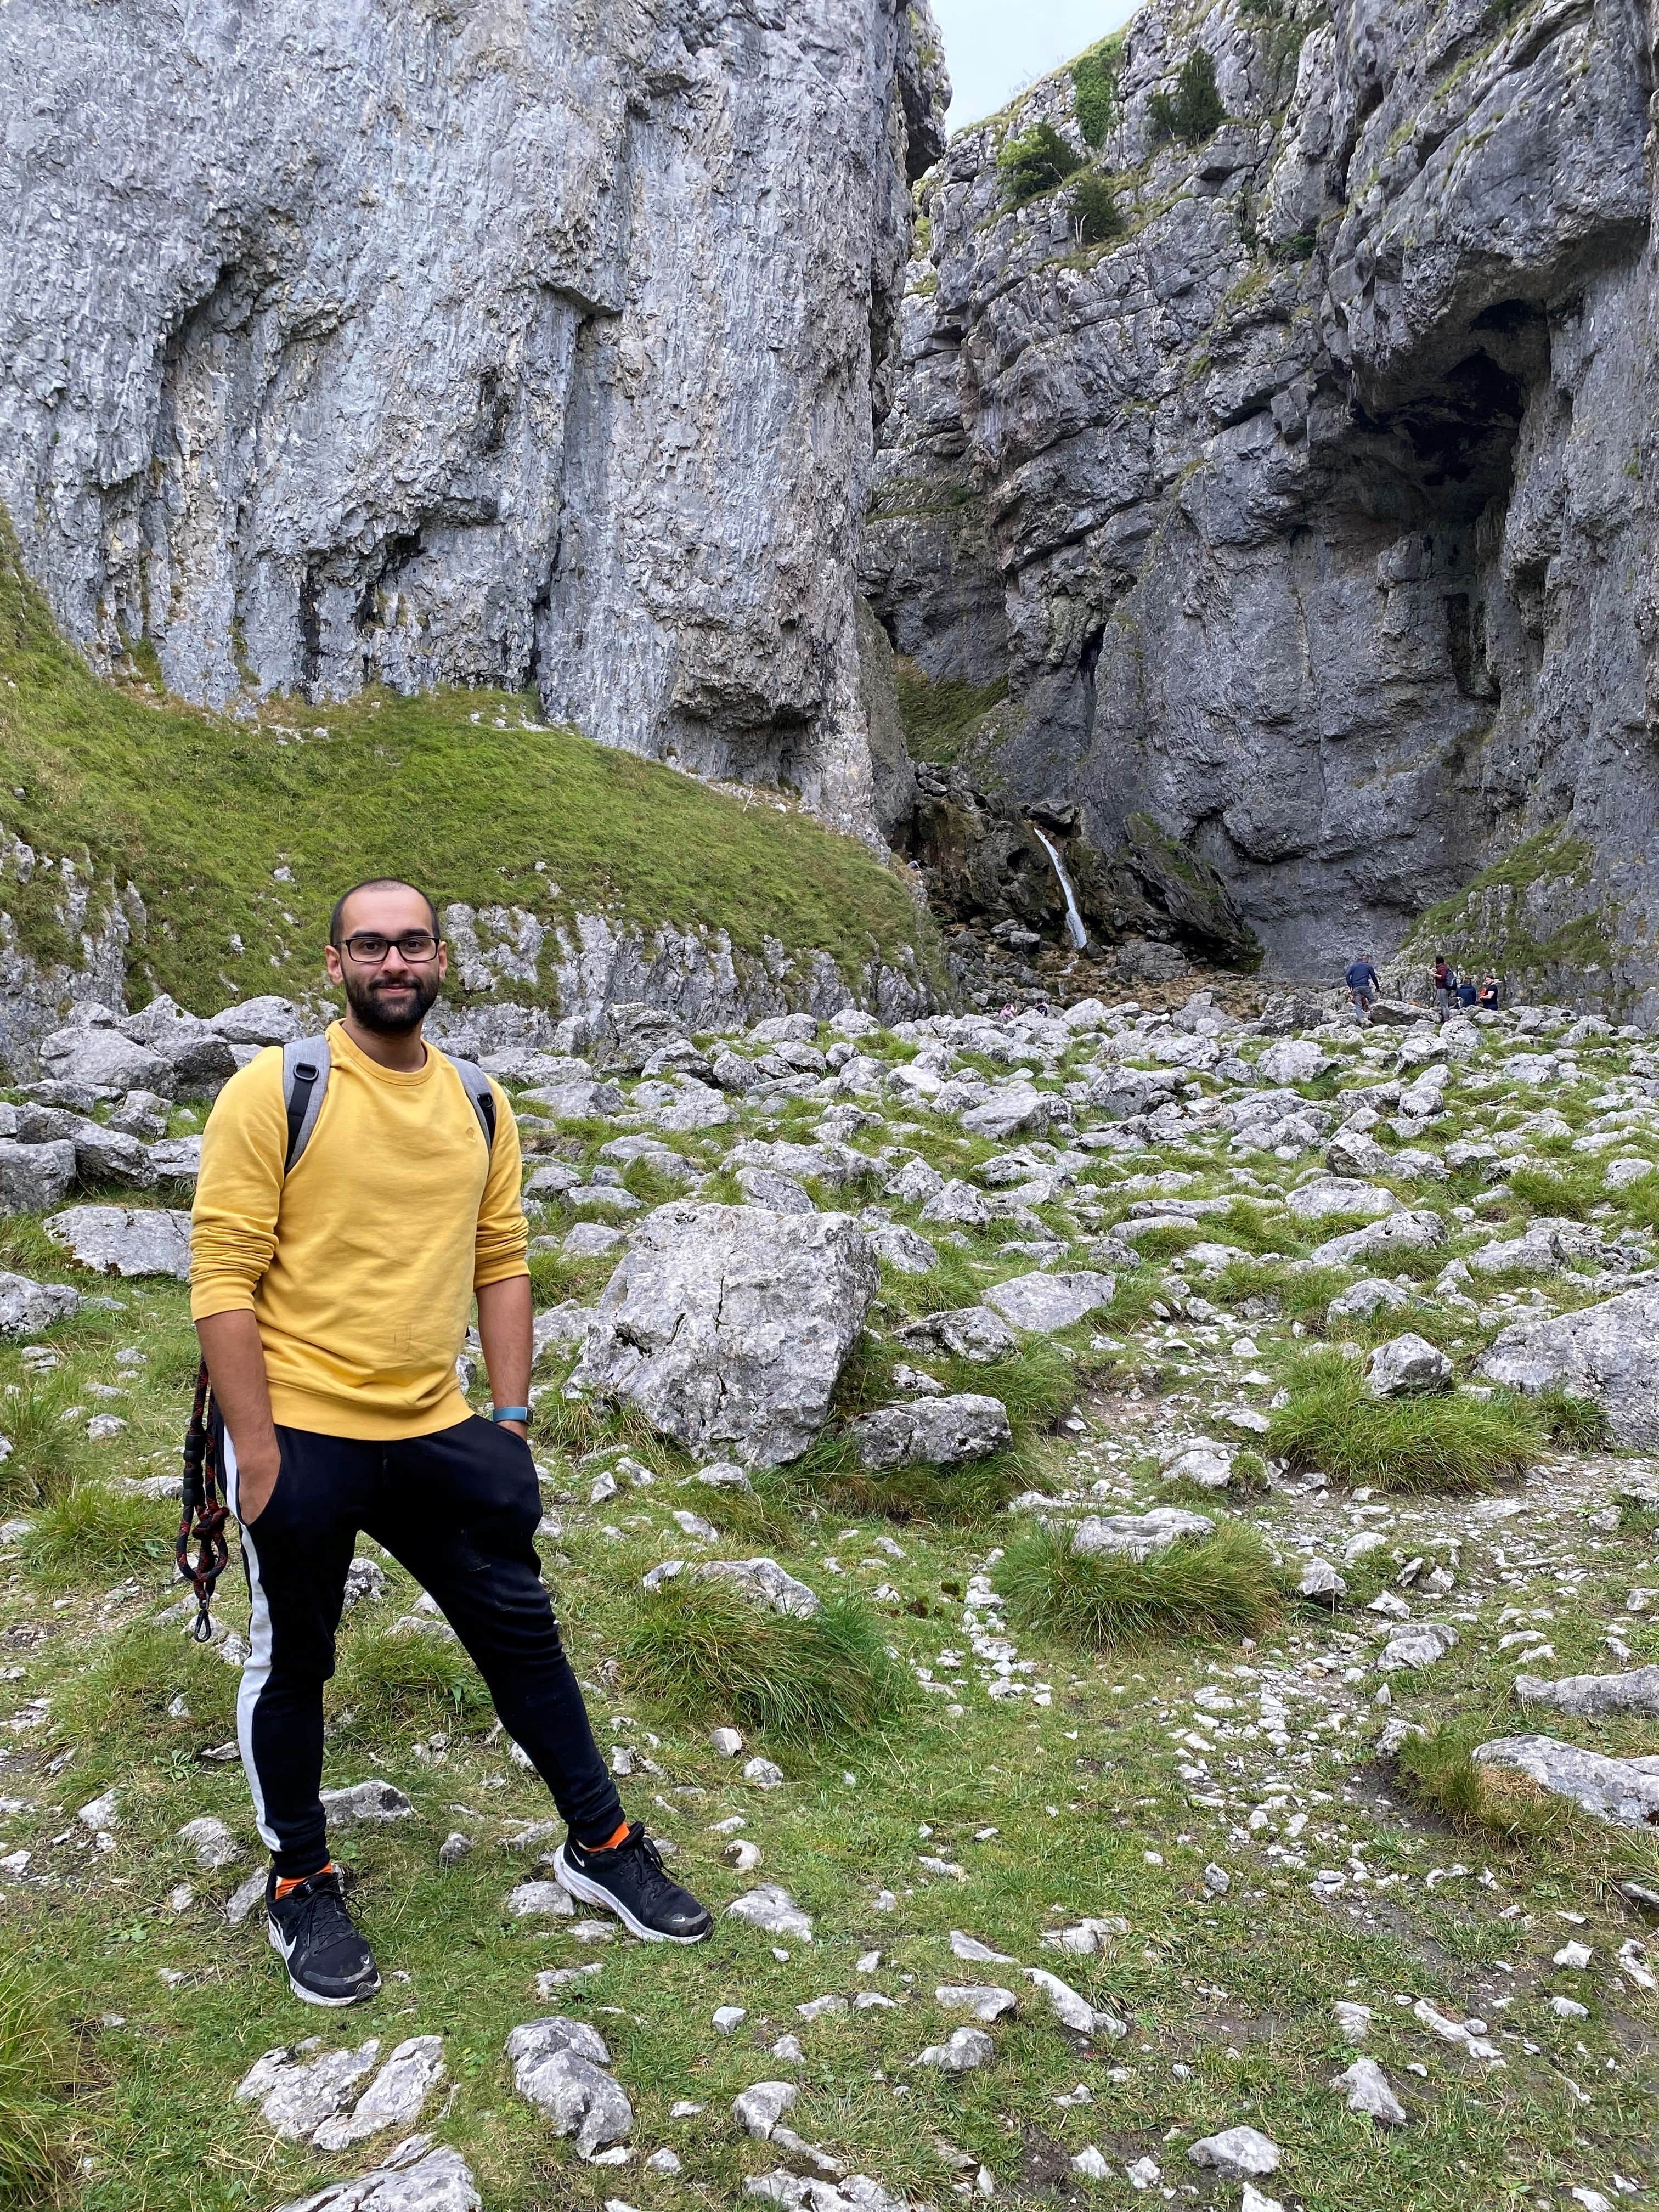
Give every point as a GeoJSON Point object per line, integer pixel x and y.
{"type": "Point", "coordinates": [630, 1881]}
{"type": "Point", "coordinates": [328, 1961]}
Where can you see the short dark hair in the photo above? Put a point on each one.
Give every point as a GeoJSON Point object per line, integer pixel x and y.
{"type": "Point", "coordinates": [378, 884]}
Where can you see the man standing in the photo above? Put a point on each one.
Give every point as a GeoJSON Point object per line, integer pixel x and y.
{"type": "Point", "coordinates": [1362, 986]}
{"type": "Point", "coordinates": [1443, 983]}
{"type": "Point", "coordinates": [332, 1299]}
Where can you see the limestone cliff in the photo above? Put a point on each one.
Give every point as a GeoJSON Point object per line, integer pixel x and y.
{"type": "Point", "coordinates": [428, 341]}
{"type": "Point", "coordinates": [1294, 478]}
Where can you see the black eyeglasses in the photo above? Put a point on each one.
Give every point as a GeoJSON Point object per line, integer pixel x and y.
{"type": "Point", "coordinates": [367, 950]}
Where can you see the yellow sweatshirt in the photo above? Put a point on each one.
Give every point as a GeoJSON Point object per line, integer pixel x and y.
{"type": "Point", "coordinates": [360, 1266]}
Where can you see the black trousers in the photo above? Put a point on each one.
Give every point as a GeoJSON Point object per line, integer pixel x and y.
{"type": "Point", "coordinates": [458, 1510]}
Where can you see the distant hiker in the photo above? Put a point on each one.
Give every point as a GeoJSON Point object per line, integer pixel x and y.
{"type": "Point", "coordinates": [1363, 985]}
{"type": "Point", "coordinates": [1466, 993]}
{"type": "Point", "coordinates": [357, 1192]}
{"type": "Point", "coordinates": [1487, 995]}
{"type": "Point", "coordinates": [1443, 984]}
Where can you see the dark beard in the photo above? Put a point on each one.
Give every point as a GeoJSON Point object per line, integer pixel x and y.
{"type": "Point", "coordinates": [371, 1009]}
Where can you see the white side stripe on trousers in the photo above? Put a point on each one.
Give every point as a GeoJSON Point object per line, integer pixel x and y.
{"type": "Point", "coordinates": [257, 1673]}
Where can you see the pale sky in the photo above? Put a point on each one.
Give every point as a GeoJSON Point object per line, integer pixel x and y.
{"type": "Point", "coordinates": [996, 47]}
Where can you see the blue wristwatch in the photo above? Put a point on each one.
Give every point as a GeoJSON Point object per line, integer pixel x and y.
{"type": "Point", "coordinates": [509, 1413]}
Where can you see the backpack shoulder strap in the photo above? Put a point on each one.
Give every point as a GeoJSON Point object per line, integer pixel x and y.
{"type": "Point", "coordinates": [304, 1080]}
{"type": "Point", "coordinates": [476, 1085]}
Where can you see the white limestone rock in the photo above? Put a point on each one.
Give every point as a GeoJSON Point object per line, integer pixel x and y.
{"type": "Point", "coordinates": [120, 1240]}
{"type": "Point", "coordinates": [728, 1327]}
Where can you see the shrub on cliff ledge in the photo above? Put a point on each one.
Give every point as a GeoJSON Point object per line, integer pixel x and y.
{"type": "Point", "coordinates": [1094, 84]}
{"type": "Point", "coordinates": [1036, 162]}
{"type": "Point", "coordinates": [1194, 110]}
{"type": "Point", "coordinates": [1096, 215]}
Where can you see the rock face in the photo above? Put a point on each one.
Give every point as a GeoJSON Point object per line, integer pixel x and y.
{"type": "Point", "coordinates": [728, 1326]}
{"type": "Point", "coordinates": [1302, 522]}
{"type": "Point", "coordinates": [1609, 1352]}
{"type": "Point", "coordinates": [517, 345]}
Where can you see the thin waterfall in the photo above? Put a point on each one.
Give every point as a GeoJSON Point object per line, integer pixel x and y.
{"type": "Point", "coordinates": [1074, 928]}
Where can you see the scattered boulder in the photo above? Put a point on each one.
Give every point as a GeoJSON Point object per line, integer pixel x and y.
{"type": "Point", "coordinates": [1073, 2010]}
{"type": "Point", "coordinates": [373, 1803]}
{"type": "Point", "coordinates": [415, 2177]}
{"type": "Point", "coordinates": [1624, 1791]}
{"type": "Point", "coordinates": [762, 1580]}
{"type": "Point", "coordinates": [122, 1240]}
{"type": "Point", "coordinates": [758, 2108]}
{"type": "Point", "coordinates": [210, 1843]}
{"type": "Point", "coordinates": [103, 1059]}
{"type": "Point", "coordinates": [729, 1326]}
{"type": "Point", "coordinates": [1042, 1304]}
{"type": "Point", "coordinates": [983, 2002]}
{"type": "Point", "coordinates": [296, 2094]}
{"type": "Point", "coordinates": [901, 1248]}
{"type": "Point", "coordinates": [1237, 2154]}
{"type": "Point", "coordinates": [394, 2099]}
{"type": "Point", "coordinates": [1406, 1366]}
{"type": "Point", "coordinates": [1394, 1232]}
{"type": "Point", "coordinates": [1369, 2091]}
{"type": "Point", "coordinates": [1371, 1294]}
{"type": "Point", "coordinates": [1417, 1645]}
{"type": "Point", "coordinates": [34, 1177]}
{"type": "Point", "coordinates": [1590, 1696]}
{"type": "Point", "coordinates": [1201, 1461]}
{"type": "Point", "coordinates": [972, 1332]}
{"type": "Point", "coordinates": [770, 1908]}
{"type": "Point", "coordinates": [1293, 1059]}
{"type": "Point", "coordinates": [962, 2052]}
{"type": "Point", "coordinates": [1328, 1195]}
{"type": "Point", "coordinates": [558, 2065]}
{"type": "Point", "coordinates": [30, 1309]}
{"type": "Point", "coordinates": [1321, 1582]}
{"type": "Point", "coordinates": [1608, 1352]}
{"type": "Point", "coordinates": [1138, 1535]}
{"type": "Point", "coordinates": [933, 1431]}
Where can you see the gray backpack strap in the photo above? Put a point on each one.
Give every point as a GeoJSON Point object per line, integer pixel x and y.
{"type": "Point", "coordinates": [304, 1081]}
{"type": "Point", "coordinates": [475, 1084]}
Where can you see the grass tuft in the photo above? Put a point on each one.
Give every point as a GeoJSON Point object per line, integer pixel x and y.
{"type": "Point", "coordinates": [35, 2067]}
{"type": "Point", "coordinates": [93, 1525]}
{"type": "Point", "coordinates": [48, 1454]}
{"type": "Point", "coordinates": [122, 1700]}
{"type": "Point", "coordinates": [703, 1652]}
{"type": "Point", "coordinates": [386, 1681]}
{"type": "Point", "coordinates": [1576, 1423]}
{"type": "Point", "coordinates": [1226, 1585]}
{"type": "Point", "coordinates": [1450, 1443]}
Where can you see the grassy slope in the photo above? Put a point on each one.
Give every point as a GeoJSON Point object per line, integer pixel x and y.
{"type": "Point", "coordinates": [458, 789]}
{"type": "Point", "coordinates": [1090, 1804]}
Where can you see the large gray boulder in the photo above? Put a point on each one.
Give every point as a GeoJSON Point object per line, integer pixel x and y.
{"type": "Point", "coordinates": [728, 1326]}
{"type": "Point", "coordinates": [29, 1309]}
{"type": "Point", "coordinates": [933, 1431]}
{"type": "Point", "coordinates": [200, 1056]}
{"type": "Point", "coordinates": [559, 2066]}
{"type": "Point", "coordinates": [1405, 1364]}
{"type": "Point", "coordinates": [415, 2177]}
{"type": "Point", "coordinates": [1041, 1303]}
{"type": "Point", "coordinates": [1590, 1696]}
{"type": "Point", "coordinates": [103, 1059]}
{"type": "Point", "coordinates": [1338, 1193]}
{"type": "Point", "coordinates": [1609, 1352]}
{"type": "Point", "coordinates": [34, 1177]}
{"type": "Point", "coordinates": [1395, 1232]}
{"type": "Point", "coordinates": [1623, 1791]}
{"type": "Point", "coordinates": [268, 1020]}
{"type": "Point", "coordinates": [122, 1240]}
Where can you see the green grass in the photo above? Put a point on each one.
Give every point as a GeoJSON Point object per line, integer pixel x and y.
{"type": "Point", "coordinates": [938, 716]}
{"type": "Point", "coordinates": [1446, 1442]}
{"type": "Point", "coordinates": [92, 1526]}
{"type": "Point", "coordinates": [1574, 1424]}
{"type": "Point", "coordinates": [703, 1652]}
{"type": "Point", "coordinates": [36, 2062]}
{"type": "Point", "coordinates": [196, 810]}
{"type": "Point", "coordinates": [48, 1452]}
{"type": "Point", "coordinates": [1224, 1587]}
{"type": "Point", "coordinates": [386, 1681]}
{"type": "Point", "coordinates": [966, 1497]}
{"type": "Point", "coordinates": [120, 1701]}
{"type": "Point", "coordinates": [1566, 1193]}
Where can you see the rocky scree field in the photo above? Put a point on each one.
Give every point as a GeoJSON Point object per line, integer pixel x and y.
{"type": "Point", "coordinates": [1118, 1553]}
